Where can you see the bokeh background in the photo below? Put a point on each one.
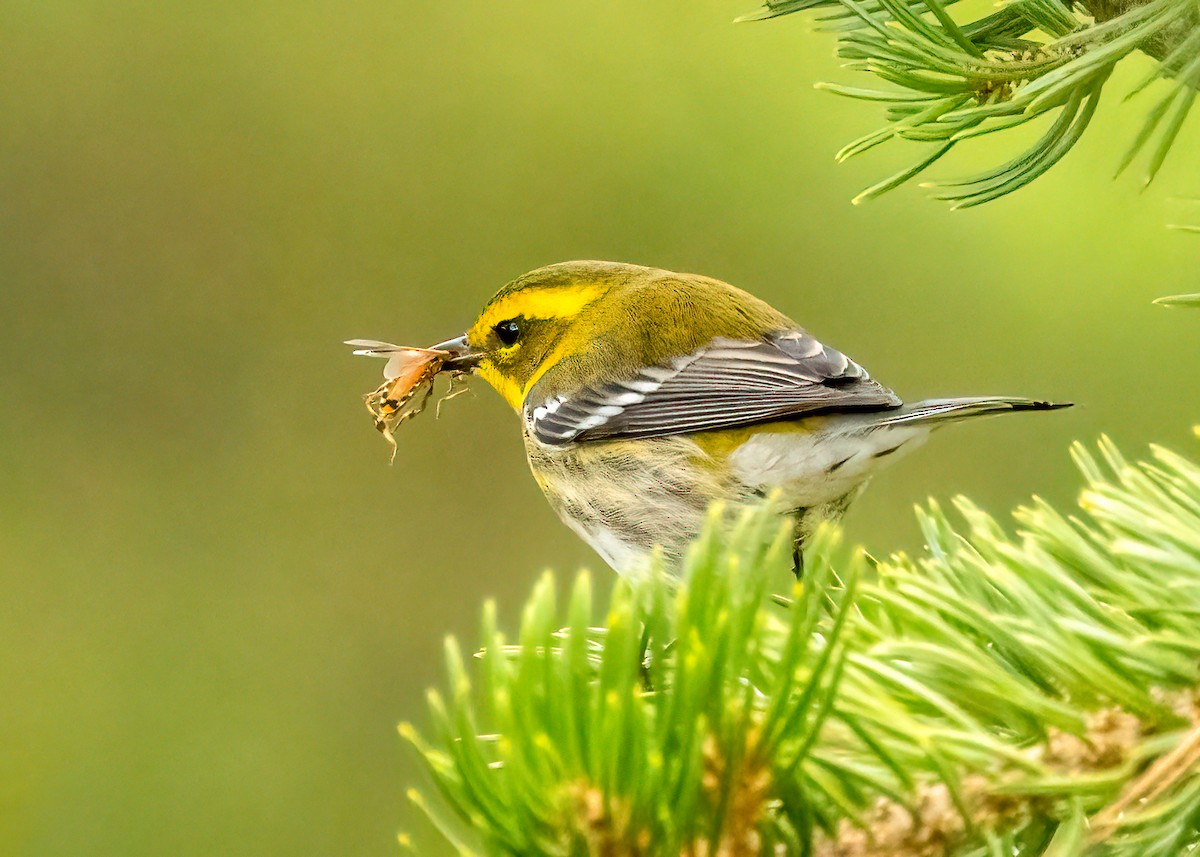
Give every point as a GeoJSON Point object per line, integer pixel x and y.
{"type": "Point", "coordinates": [216, 598]}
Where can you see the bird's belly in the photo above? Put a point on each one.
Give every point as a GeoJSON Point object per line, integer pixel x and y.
{"type": "Point", "coordinates": [624, 498]}
{"type": "Point", "coordinates": [815, 468]}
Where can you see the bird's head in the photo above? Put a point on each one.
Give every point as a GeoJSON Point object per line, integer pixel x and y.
{"type": "Point", "coordinates": [572, 323]}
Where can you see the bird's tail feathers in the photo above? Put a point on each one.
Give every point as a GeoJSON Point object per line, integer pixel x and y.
{"type": "Point", "coordinates": [951, 410]}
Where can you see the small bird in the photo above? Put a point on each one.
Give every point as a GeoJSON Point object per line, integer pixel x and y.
{"type": "Point", "coordinates": [645, 396]}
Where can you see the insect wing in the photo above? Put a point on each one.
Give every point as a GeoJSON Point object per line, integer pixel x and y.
{"type": "Point", "coordinates": [403, 361]}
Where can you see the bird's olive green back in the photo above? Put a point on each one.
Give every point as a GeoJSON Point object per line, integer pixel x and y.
{"type": "Point", "coordinates": [583, 322]}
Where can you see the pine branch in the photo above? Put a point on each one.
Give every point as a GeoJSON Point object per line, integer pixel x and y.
{"type": "Point", "coordinates": [954, 80]}
{"type": "Point", "coordinates": [1027, 694]}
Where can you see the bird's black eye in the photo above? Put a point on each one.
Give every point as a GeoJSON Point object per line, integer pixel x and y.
{"type": "Point", "coordinates": [508, 331]}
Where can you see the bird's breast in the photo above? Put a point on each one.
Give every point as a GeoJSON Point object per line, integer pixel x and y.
{"type": "Point", "coordinates": [626, 496]}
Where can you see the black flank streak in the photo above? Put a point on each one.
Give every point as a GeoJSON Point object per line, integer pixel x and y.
{"type": "Point", "coordinates": [834, 467]}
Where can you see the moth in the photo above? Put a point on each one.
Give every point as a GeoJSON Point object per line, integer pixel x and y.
{"type": "Point", "coordinates": [408, 383]}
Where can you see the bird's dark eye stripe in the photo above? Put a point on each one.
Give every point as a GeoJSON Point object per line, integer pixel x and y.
{"type": "Point", "coordinates": [508, 331]}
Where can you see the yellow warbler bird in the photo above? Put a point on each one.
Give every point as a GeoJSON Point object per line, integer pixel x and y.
{"type": "Point", "coordinates": [646, 395]}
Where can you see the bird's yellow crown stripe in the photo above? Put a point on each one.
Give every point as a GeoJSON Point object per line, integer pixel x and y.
{"type": "Point", "coordinates": [543, 303]}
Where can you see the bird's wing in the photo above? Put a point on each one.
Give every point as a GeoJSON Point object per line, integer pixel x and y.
{"type": "Point", "coordinates": [726, 383]}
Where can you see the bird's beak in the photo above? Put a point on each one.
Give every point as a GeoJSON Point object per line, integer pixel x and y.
{"type": "Point", "coordinates": [463, 357]}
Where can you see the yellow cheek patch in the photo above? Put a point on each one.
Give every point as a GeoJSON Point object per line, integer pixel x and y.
{"type": "Point", "coordinates": [544, 303]}
{"type": "Point", "coordinates": [502, 384]}
{"type": "Point", "coordinates": [552, 359]}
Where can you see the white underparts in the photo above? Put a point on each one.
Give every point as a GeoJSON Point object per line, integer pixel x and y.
{"type": "Point", "coordinates": [812, 469]}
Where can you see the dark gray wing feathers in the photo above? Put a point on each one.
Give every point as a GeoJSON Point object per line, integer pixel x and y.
{"type": "Point", "coordinates": [727, 383]}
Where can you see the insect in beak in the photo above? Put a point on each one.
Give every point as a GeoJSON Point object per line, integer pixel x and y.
{"type": "Point", "coordinates": [408, 378]}
{"type": "Point", "coordinates": [463, 358]}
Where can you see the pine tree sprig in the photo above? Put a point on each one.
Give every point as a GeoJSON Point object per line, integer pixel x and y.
{"type": "Point", "coordinates": [957, 78]}
{"type": "Point", "coordinates": [1027, 693]}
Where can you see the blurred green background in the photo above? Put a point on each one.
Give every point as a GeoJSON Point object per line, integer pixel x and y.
{"type": "Point", "coordinates": [217, 598]}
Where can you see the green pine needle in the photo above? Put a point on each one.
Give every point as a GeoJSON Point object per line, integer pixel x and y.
{"type": "Point", "coordinates": [1179, 300]}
